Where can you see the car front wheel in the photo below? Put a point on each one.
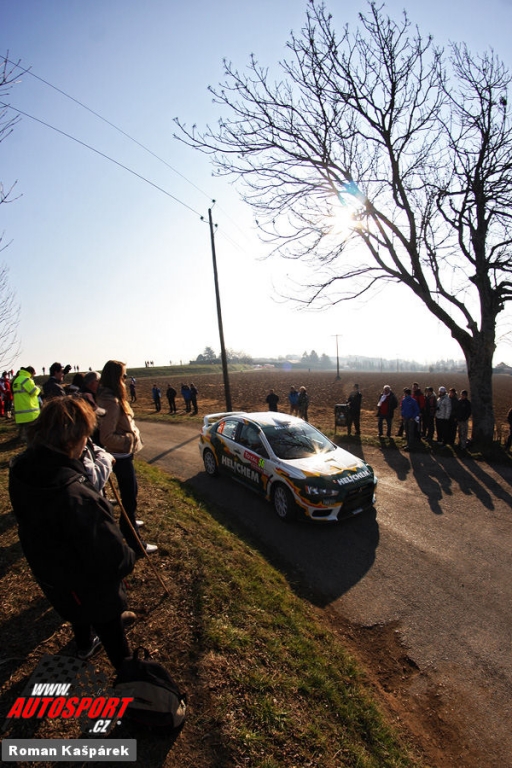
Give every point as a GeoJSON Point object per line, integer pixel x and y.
{"type": "Point", "coordinates": [209, 463]}
{"type": "Point", "coordinates": [284, 503]}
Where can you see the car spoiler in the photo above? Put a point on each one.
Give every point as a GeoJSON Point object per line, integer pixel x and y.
{"type": "Point", "coordinates": [211, 418]}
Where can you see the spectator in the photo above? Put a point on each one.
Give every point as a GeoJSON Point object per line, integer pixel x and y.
{"type": "Point", "coordinates": [157, 397]}
{"type": "Point", "coordinates": [385, 409]}
{"type": "Point", "coordinates": [54, 387]}
{"type": "Point", "coordinates": [303, 403]}
{"type": "Point", "coordinates": [272, 400]}
{"type": "Point", "coordinates": [6, 388]}
{"type": "Point", "coordinates": [400, 431]}
{"type": "Point", "coordinates": [171, 398]}
{"type": "Point", "coordinates": [76, 384]}
{"type": "Point", "coordinates": [410, 411]}
{"type": "Point", "coordinates": [90, 386]}
{"type": "Point", "coordinates": [463, 412]}
{"type": "Point", "coordinates": [420, 399]}
{"type": "Point", "coordinates": [98, 463]}
{"type": "Point", "coordinates": [193, 397]}
{"type": "Point", "coordinates": [133, 390]}
{"type": "Point", "coordinates": [354, 410]}
{"type": "Point", "coordinates": [186, 395]}
{"type": "Point", "coordinates": [443, 412]}
{"type": "Point", "coordinates": [429, 416]}
{"type": "Point", "coordinates": [508, 444]}
{"type": "Point", "coordinates": [120, 436]}
{"type": "Point", "coordinates": [293, 399]}
{"type": "Point", "coordinates": [88, 390]}
{"type": "Point", "coordinates": [67, 530]}
{"type": "Point", "coordinates": [451, 428]}
{"type": "Point", "coordinates": [27, 404]}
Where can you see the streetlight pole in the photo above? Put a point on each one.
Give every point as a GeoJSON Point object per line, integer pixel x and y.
{"type": "Point", "coordinates": [224, 359]}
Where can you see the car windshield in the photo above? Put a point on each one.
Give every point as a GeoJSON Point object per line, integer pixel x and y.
{"type": "Point", "coordinates": [297, 441]}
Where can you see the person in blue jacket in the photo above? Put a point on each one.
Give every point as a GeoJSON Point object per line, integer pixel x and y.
{"type": "Point", "coordinates": [410, 411]}
{"type": "Point", "coordinates": [293, 398]}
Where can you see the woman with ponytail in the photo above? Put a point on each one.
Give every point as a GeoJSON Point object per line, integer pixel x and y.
{"type": "Point", "coordinates": [120, 436]}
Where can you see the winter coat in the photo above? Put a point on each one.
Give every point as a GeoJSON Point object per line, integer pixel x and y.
{"type": "Point", "coordinates": [118, 432]}
{"type": "Point", "coordinates": [430, 405]}
{"type": "Point", "coordinates": [272, 401]}
{"type": "Point", "coordinates": [53, 388]}
{"type": "Point", "coordinates": [354, 402]}
{"type": "Point", "coordinates": [293, 397]}
{"type": "Point", "coordinates": [463, 409]}
{"type": "Point", "coordinates": [387, 405]}
{"type": "Point", "coordinates": [409, 407]}
{"type": "Point", "coordinates": [68, 535]}
{"type": "Point", "coordinates": [444, 407]}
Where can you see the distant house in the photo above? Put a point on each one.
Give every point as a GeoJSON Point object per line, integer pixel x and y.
{"type": "Point", "coordinates": [503, 368]}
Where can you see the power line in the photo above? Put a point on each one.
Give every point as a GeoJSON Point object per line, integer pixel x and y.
{"type": "Point", "coordinates": [112, 125]}
{"type": "Point", "coordinates": [98, 152]}
{"type": "Point", "coordinates": [24, 70]}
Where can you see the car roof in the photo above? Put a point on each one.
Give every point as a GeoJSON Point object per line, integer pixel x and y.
{"type": "Point", "coordinates": [262, 418]}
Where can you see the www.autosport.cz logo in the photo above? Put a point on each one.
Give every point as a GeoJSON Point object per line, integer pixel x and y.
{"type": "Point", "coordinates": [65, 688]}
{"type": "Point", "coordinates": [52, 700]}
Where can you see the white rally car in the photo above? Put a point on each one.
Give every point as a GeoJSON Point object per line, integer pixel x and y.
{"type": "Point", "coordinates": [288, 462]}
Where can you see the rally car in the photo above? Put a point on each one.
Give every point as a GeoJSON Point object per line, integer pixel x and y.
{"type": "Point", "coordinates": [288, 462]}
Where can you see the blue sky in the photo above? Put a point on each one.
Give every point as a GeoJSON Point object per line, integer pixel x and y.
{"type": "Point", "coordinates": [105, 265]}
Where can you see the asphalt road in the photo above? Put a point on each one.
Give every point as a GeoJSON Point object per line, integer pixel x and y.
{"type": "Point", "coordinates": [432, 564]}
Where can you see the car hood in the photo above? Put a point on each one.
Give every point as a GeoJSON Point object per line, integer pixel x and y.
{"type": "Point", "coordinates": [335, 463]}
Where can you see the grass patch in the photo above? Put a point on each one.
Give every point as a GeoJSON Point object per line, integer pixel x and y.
{"type": "Point", "coordinates": [269, 686]}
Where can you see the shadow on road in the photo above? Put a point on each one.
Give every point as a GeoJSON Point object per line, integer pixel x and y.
{"type": "Point", "coordinates": [172, 449]}
{"type": "Point", "coordinates": [321, 562]}
{"type": "Point", "coordinates": [438, 476]}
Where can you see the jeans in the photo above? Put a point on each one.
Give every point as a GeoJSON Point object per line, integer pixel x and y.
{"type": "Point", "coordinates": [128, 489]}
{"type": "Point", "coordinates": [463, 433]}
{"type": "Point", "coordinates": [410, 430]}
{"type": "Point", "coordinates": [388, 420]}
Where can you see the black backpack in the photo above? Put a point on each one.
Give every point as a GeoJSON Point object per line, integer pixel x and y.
{"type": "Point", "coordinates": [157, 700]}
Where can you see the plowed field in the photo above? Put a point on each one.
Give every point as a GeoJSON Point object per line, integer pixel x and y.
{"type": "Point", "coordinates": [250, 388]}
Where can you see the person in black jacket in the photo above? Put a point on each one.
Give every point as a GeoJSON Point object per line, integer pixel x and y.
{"type": "Point", "coordinates": [67, 529]}
{"type": "Point", "coordinates": [508, 442]}
{"type": "Point", "coordinates": [54, 386]}
{"type": "Point", "coordinates": [272, 400]}
{"type": "Point", "coordinates": [171, 398]}
{"type": "Point", "coordinates": [354, 410]}
{"type": "Point", "coordinates": [462, 414]}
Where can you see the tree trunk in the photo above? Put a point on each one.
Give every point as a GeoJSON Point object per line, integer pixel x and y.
{"type": "Point", "coordinates": [479, 362]}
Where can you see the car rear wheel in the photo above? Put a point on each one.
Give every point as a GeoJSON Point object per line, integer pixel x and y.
{"type": "Point", "coordinates": [284, 503]}
{"type": "Point", "coordinates": [209, 463]}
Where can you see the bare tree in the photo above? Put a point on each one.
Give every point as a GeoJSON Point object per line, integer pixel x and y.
{"type": "Point", "coordinates": [9, 309]}
{"type": "Point", "coordinates": [411, 146]}
{"type": "Point", "coordinates": [7, 120]}
{"type": "Point", "coordinates": [9, 321]}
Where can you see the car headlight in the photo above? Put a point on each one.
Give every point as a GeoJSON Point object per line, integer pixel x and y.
{"type": "Point", "coordinates": [315, 490]}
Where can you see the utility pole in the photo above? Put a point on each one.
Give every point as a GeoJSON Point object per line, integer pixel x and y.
{"type": "Point", "coordinates": [337, 358]}
{"type": "Point", "coordinates": [224, 359]}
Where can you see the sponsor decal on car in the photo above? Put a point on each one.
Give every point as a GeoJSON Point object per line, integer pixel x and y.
{"type": "Point", "coordinates": [254, 459]}
{"type": "Point", "coordinates": [240, 469]}
{"type": "Point", "coordinates": [353, 478]}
